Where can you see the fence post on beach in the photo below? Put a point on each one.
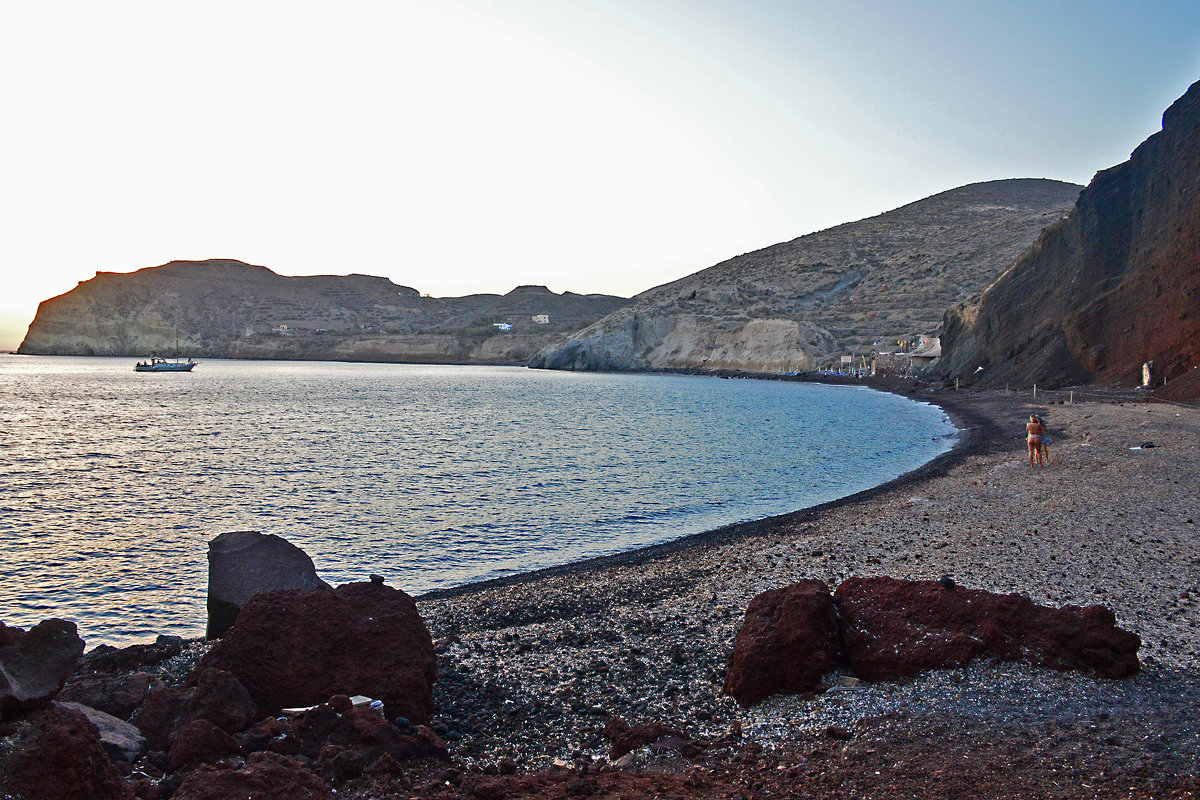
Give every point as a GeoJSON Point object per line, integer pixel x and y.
{"type": "Point", "coordinates": [956, 384]}
{"type": "Point", "coordinates": [1071, 402]}
{"type": "Point", "coordinates": [1035, 391]}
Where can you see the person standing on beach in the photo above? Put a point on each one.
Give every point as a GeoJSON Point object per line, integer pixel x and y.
{"type": "Point", "coordinates": [1036, 432]}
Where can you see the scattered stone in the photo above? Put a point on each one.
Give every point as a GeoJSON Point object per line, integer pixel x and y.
{"type": "Point", "coordinates": [265, 776]}
{"type": "Point", "coordinates": [120, 739]}
{"type": "Point", "coordinates": [56, 753]}
{"type": "Point", "coordinates": [788, 640]}
{"type": "Point", "coordinates": [626, 738]}
{"type": "Point", "coordinates": [242, 564]}
{"type": "Point", "coordinates": [894, 629]}
{"type": "Point", "coordinates": [34, 664]}
{"type": "Point", "coordinates": [838, 732]}
{"type": "Point", "coordinates": [295, 648]}
{"type": "Point", "coordinates": [135, 657]}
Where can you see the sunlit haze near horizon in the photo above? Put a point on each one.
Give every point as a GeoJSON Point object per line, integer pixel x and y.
{"type": "Point", "coordinates": [462, 146]}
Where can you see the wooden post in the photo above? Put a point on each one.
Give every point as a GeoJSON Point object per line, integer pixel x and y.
{"type": "Point", "coordinates": [1071, 402]}
{"type": "Point", "coordinates": [1006, 388]}
{"type": "Point", "coordinates": [956, 384]}
{"type": "Point", "coordinates": [1035, 391]}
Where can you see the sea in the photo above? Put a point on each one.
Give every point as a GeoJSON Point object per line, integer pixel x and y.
{"type": "Point", "coordinates": [113, 482]}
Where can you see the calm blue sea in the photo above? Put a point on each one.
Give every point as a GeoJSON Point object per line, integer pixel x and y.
{"type": "Point", "coordinates": [112, 482]}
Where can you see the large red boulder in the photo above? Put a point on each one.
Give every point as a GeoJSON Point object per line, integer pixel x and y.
{"type": "Point", "coordinates": [895, 628]}
{"type": "Point", "coordinates": [297, 647]}
{"type": "Point", "coordinates": [788, 640]}
{"type": "Point", "coordinates": [265, 776]}
{"type": "Point", "coordinates": [56, 753]}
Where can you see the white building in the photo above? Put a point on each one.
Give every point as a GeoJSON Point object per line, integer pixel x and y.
{"type": "Point", "coordinates": [541, 319]}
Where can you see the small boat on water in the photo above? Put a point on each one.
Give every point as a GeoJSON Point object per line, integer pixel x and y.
{"type": "Point", "coordinates": [156, 364]}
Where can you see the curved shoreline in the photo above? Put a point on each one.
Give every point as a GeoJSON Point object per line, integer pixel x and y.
{"type": "Point", "coordinates": [976, 433]}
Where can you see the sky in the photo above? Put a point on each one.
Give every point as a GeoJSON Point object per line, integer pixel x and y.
{"type": "Point", "coordinates": [464, 146]}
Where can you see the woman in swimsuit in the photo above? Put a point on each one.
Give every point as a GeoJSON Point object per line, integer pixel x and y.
{"type": "Point", "coordinates": [1037, 432]}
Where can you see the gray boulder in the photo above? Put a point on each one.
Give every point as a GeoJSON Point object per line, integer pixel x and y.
{"type": "Point", "coordinates": [34, 664]}
{"type": "Point", "coordinates": [120, 739]}
{"type": "Point", "coordinates": [242, 564]}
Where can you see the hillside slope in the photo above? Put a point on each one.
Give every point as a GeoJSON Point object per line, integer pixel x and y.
{"type": "Point", "coordinates": [786, 307]}
{"type": "Point", "coordinates": [1114, 285]}
{"type": "Point", "coordinates": [229, 309]}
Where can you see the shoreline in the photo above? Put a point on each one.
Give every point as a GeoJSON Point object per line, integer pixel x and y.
{"type": "Point", "coordinates": [644, 635]}
{"type": "Point", "coordinates": [975, 433]}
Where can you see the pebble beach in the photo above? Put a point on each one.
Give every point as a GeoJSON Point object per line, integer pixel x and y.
{"type": "Point", "coordinates": [531, 668]}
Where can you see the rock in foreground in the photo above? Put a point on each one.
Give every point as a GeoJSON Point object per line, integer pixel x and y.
{"type": "Point", "coordinates": [34, 664]}
{"type": "Point", "coordinates": [242, 564]}
{"type": "Point", "coordinates": [57, 754]}
{"type": "Point", "coordinates": [789, 639]}
{"type": "Point", "coordinates": [894, 629]}
{"type": "Point", "coordinates": [298, 648]}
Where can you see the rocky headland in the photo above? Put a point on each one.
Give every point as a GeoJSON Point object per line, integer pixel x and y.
{"type": "Point", "coordinates": [789, 307]}
{"type": "Point", "coordinates": [229, 309]}
{"type": "Point", "coordinates": [1111, 287]}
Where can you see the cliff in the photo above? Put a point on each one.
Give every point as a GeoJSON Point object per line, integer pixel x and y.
{"type": "Point", "coordinates": [790, 306]}
{"type": "Point", "coordinates": [1114, 285]}
{"type": "Point", "coordinates": [229, 309]}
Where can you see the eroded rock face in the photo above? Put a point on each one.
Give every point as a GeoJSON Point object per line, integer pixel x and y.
{"type": "Point", "coordinates": [34, 665]}
{"type": "Point", "coordinates": [265, 776]}
{"type": "Point", "coordinates": [1113, 286]}
{"type": "Point", "coordinates": [243, 563]}
{"type": "Point", "coordinates": [56, 753]}
{"type": "Point", "coordinates": [894, 629]}
{"type": "Point", "coordinates": [293, 648]}
{"type": "Point", "coordinates": [788, 640]}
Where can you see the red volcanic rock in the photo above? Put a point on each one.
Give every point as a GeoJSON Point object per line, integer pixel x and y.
{"type": "Point", "coordinates": [34, 664]}
{"type": "Point", "coordinates": [789, 639]}
{"type": "Point", "coordinates": [220, 698]}
{"type": "Point", "coordinates": [119, 695]}
{"type": "Point", "coordinates": [297, 647]}
{"type": "Point", "coordinates": [265, 776]}
{"type": "Point", "coordinates": [358, 729]}
{"type": "Point", "coordinates": [57, 754]}
{"type": "Point", "coordinates": [160, 714]}
{"type": "Point", "coordinates": [200, 742]}
{"type": "Point", "coordinates": [894, 629]}
{"type": "Point", "coordinates": [626, 738]}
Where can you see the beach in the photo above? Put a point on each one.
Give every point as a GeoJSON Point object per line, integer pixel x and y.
{"type": "Point", "coordinates": [531, 668]}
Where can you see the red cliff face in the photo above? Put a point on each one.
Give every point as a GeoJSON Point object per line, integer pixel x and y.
{"type": "Point", "coordinates": [1114, 285]}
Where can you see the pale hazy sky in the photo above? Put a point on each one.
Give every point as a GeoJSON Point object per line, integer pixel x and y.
{"type": "Point", "coordinates": [608, 146]}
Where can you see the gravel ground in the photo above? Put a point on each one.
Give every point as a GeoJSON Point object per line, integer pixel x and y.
{"type": "Point", "coordinates": [531, 668]}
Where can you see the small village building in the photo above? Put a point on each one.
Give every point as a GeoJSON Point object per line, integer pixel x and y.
{"type": "Point", "coordinates": [541, 319]}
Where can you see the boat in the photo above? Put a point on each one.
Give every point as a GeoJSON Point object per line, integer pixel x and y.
{"type": "Point", "coordinates": [156, 364]}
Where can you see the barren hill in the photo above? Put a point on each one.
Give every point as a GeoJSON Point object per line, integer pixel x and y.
{"type": "Point", "coordinates": [229, 309]}
{"type": "Point", "coordinates": [788, 306]}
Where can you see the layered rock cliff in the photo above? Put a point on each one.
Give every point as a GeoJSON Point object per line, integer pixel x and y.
{"type": "Point", "coordinates": [789, 306]}
{"type": "Point", "coordinates": [1114, 285]}
{"type": "Point", "coordinates": [229, 309]}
